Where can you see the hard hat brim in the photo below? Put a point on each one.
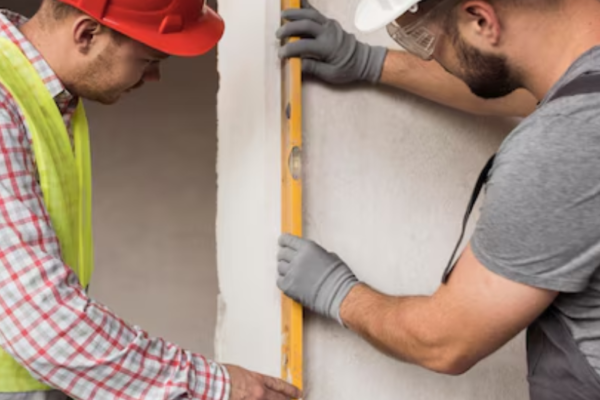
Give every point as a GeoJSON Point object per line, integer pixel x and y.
{"type": "Point", "coordinates": [194, 40]}
{"type": "Point", "coordinates": [372, 15]}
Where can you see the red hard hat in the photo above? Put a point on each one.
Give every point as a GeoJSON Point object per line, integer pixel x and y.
{"type": "Point", "coordinates": [176, 27]}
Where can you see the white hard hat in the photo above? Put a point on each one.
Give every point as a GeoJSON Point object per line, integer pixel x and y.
{"type": "Point", "coordinates": [372, 15]}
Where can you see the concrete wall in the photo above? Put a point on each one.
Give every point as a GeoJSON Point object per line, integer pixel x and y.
{"type": "Point", "coordinates": [154, 158]}
{"type": "Point", "coordinates": [155, 204]}
{"type": "Point", "coordinates": [387, 179]}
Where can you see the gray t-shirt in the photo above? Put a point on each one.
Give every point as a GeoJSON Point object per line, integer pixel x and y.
{"type": "Point", "coordinates": [540, 221]}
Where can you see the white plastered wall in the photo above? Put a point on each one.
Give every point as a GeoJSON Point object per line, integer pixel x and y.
{"type": "Point", "coordinates": [387, 179]}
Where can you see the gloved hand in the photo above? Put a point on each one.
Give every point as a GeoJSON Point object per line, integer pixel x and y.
{"type": "Point", "coordinates": [315, 278]}
{"type": "Point", "coordinates": [328, 52]}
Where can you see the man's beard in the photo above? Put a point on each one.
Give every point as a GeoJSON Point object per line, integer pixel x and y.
{"type": "Point", "coordinates": [487, 75]}
{"type": "Point", "coordinates": [96, 82]}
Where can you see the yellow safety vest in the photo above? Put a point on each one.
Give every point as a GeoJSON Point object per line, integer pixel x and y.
{"type": "Point", "coordinates": [65, 178]}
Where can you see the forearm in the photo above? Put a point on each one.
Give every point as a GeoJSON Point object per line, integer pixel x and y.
{"type": "Point", "coordinates": [470, 317]}
{"type": "Point", "coordinates": [429, 80]}
{"type": "Point", "coordinates": [410, 329]}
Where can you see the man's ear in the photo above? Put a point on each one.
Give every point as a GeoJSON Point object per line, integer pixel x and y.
{"type": "Point", "coordinates": [479, 21]}
{"type": "Point", "coordinates": [85, 33]}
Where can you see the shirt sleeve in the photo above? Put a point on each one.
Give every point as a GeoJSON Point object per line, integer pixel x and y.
{"type": "Point", "coordinates": [539, 221]}
{"type": "Point", "coordinates": [50, 326]}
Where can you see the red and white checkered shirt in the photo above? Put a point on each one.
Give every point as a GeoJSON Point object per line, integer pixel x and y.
{"type": "Point", "coordinates": [47, 322]}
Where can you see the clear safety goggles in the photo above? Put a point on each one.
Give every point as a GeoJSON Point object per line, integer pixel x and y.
{"type": "Point", "coordinates": [419, 29]}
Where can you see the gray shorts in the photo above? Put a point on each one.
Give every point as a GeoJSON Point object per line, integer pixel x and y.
{"type": "Point", "coordinates": [51, 395]}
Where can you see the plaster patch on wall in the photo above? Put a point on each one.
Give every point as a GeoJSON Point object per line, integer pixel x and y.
{"type": "Point", "coordinates": [248, 220]}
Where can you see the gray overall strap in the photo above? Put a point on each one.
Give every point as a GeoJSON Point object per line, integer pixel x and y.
{"type": "Point", "coordinates": [481, 181]}
{"type": "Point", "coordinates": [584, 84]}
{"type": "Point", "coordinates": [558, 370]}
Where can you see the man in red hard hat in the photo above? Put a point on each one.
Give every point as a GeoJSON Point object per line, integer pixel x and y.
{"type": "Point", "coordinates": [55, 341]}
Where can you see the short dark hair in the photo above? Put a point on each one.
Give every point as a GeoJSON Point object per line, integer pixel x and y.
{"type": "Point", "coordinates": [538, 4]}
{"type": "Point", "coordinates": [449, 15]}
{"type": "Point", "coordinates": [519, 3]}
{"type": "Point", "coordinates": [60, 10]}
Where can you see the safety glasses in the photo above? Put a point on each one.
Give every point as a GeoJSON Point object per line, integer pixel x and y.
{"type": "Point", "coordinates": [419, 29]}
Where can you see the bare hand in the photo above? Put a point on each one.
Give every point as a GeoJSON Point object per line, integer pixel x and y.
{"type": "Point", "coordinates": [247, 385]}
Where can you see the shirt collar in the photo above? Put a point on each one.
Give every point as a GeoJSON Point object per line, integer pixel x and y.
{"type": "Point", "coordinates": [9, 28]}
{"type": "Point", "coordinates": [587, 62]}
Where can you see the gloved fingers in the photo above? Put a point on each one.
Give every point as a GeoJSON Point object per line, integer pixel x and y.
{"type": "Point", "coordinates": [311, 67]}
{"type": "Point", "coordinates": [297, 14]}
{"type": "Point", "coordinates": [283, 268]}
{"type": "Point", "coordinates": [324, 71]}
{"type": "Point", "coordinates": [304, 48]}
{"type": "Point", "coordinates": [286, 254]}
{"type": "Point", "coordinates": [293, 242]}
{"type": "Point", "coordinates": [303, 28]}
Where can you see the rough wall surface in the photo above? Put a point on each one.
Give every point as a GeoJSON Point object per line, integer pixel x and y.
{"type": "Point", "coordinates": [387, 179]}
{"type": "Point", "coordinates": [155, 204]}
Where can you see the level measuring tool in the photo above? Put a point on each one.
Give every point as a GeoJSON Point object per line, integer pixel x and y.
{"type": "Point", "coordinates": [291, 204]}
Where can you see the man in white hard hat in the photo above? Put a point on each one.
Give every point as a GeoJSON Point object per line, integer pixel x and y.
{"type": "Point", "coordinates": [533, 261]}
{"type": "Point", "coordinates": [333, 55]}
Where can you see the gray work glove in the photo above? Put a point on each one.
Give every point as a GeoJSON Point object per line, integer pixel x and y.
{"type": "Point", "coordinates": [328, 52]}
{"type": "Point", "coordinates": [315, 278]}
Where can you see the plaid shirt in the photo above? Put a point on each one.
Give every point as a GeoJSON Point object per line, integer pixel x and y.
{"type": "Point", "coordinates": [47, 322]}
